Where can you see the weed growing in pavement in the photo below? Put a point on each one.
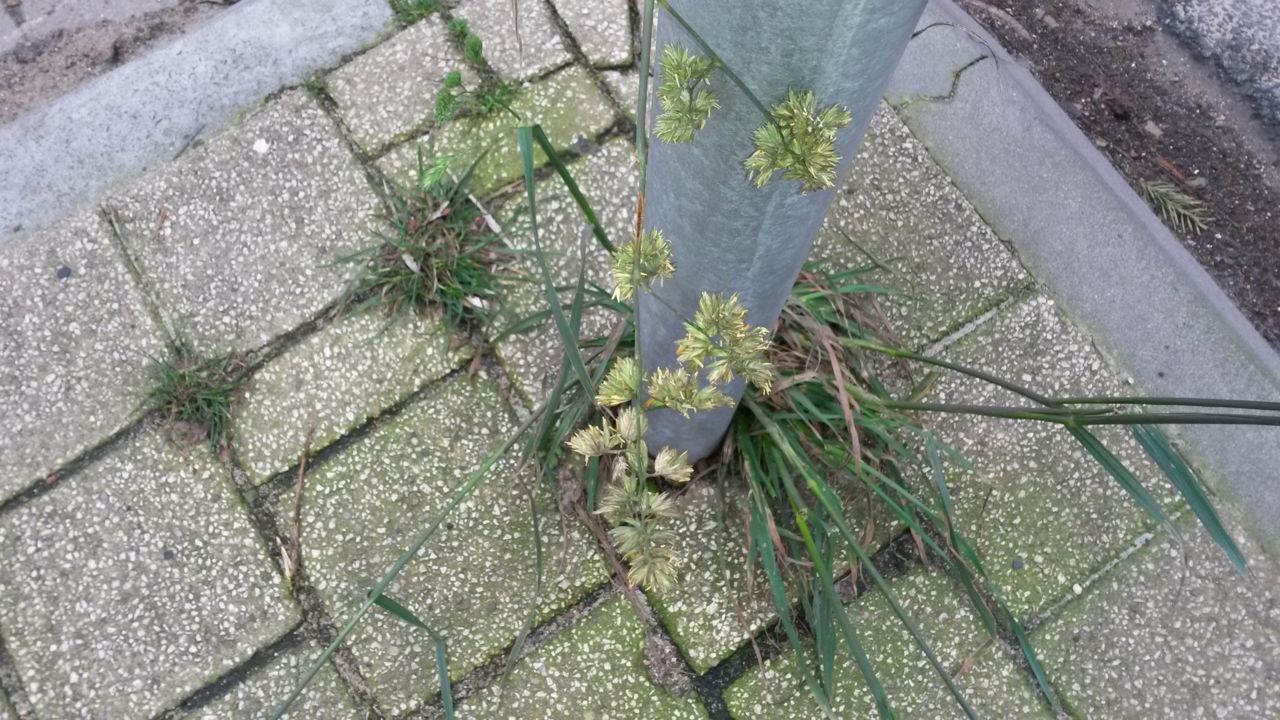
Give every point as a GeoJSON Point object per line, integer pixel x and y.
{"type": "Point", "coordinates": [196, 395]}
{"type": "Point", "coordinates": [440, 254]}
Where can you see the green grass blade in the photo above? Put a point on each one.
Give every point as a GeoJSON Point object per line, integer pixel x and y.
{"type": "Point", "coordinates": [1122, 474]}
{"type": "Point", "coordinates": [524, 137]}
{"type": "Point", "coordinates": [1158, 448]}
{"type": "Point", "coordinates": [442, 654]}
{"type": "Point", "coordinates": [583, 204]}
{"type": "Point", "coordinates": [461, 493]}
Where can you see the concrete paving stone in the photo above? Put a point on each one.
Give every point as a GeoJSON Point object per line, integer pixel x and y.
{"type": "Point", "coordinates": [325, 698]}
{"type": "Point", "coordinates": [1041, 512]}
{"type": "Point", "coordinates": [718, 603]}
{"type": "Point", "coordinates": [602, 29]}
{"type": "Point", "coordinates": [1172, 631]}
{"type": "Point", "coordinates": [335, 380]}
{"type": "Point", "coordinates": [992, 683]}
{"type": "Point", "coordinates": [238, 237]}
{"type": "Point", "coordinates": [537, 50]}
{"type": "Point", "coordinates": [135, 582]}
{"type": "Point", "coordinates": [75, 338]}
{"type": "Point", "coordinates": [568, 105]}
{"type": "Point", "coordinates": [474, 581]}
{"type": "Point", "coordinates": [898, 205]}
{"type": "Point", "coordinates": [6, 710]}
{"type": "Point", "coordinates": [608, 179]}
{"type": "Point", "coordinates": [390, 91]}
{"type": "Point", "coordinates": [625, 87]}
{"type": "Point", "coordinates": [593, 669]}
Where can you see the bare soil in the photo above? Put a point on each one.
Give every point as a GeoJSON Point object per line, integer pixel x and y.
{"type": "Point", "coordinates": [43, 66]}
{"type": "Point", "coordinates": [1160, 113]}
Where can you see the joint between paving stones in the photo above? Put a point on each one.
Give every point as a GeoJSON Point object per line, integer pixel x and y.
{"type": "Point", "coordinates": [985, 314]}
{"type": "Point", "coordinates": [11, 684]}
{"type": "Point", "coordinates": [109, 217]}
{"type": "Point", "coordinates": [229, 680]}
{"type": "Point", "coordinates": [580, 57]}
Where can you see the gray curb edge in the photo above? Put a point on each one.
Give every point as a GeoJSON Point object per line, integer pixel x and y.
{"type": "Point", "coordinates": [1095, 247]}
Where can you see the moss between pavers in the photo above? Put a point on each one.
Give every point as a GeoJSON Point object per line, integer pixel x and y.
{"type": "Point", "coordinates": [993, 685]}
{"type": "Point", "coordinates": [1042, 513]}
{"type": "Point", "coordinates": [75, 342]}
{"type": "Point", "coordinates": [607, 178]}
{"type": "Point", "coordinates": [898, 205]}
{"type": "Point", "coordinates": [568, 106]}
{"type": "Point", "coordinates": [333, 381]}
{"type": "Point", "coordinates": [594, 669]}
{"type": "Point", "coordinates": [135, 582]}
{"type": "Point", "coordinates": [390, 91]}
{"type": "Point", "coordinates": [325, 698]}
{"type": "Point", "coordinates": [538, 48]}
{"type": "Point", "coordinates": [474, 582]}
{"type": "Point", "coordinates": [1171, 632]}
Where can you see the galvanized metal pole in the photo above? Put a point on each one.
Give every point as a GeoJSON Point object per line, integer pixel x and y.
{"type": "Point", "coordinates": [728, 236]}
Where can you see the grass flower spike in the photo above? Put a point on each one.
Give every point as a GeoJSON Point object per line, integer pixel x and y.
{"type": "Point", "coordinates": [643, 260]}
{"type": "Point", "coordinates": [800, 141]}
{"type": "Point", "coordinates": [686, 101]}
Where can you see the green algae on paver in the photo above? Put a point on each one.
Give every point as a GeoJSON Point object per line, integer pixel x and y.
{"type": "Point", "coordinates": [948, 266]}
{"type": "Point", "coordinates": [990, 681]}
{"type": "Point", "coordinates": [1172, 631]}
{"type": "Point", "coordinates": [1041, 512]}
{"type": "Point", "coordinates": [607, 178]}
{"type": "Point", "coordinates": [238, 237]}
{"type": "Point", "coordinates": [592, 669]}
{"type": "Point", "coordinates": [601, 27]}
{"type": "Point", "coordinates": [325, 698]}
{"type": "Point", "coordinates": [474, 582]}
{"type": "Point", "coordinates": [568, 105]}
{"type": "Point", "coordinates": [390, 91]}
{"type": "Point", "coordinates": [537, 49]}
{"type": "Point", "coordinates": [333, 381]}
{"type": "Point", "coordinates": [75, 343]}
{"type": "Point", "coordinates": [134, 582]}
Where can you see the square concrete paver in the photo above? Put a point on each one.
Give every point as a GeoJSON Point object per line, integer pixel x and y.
{"type": "Point", "coordinates": [592, 669]}
{"type": "Point", "coordinates": [134, 582]}
{"type": "Point", "coordinates": [258, 695]}
{"type": "Point", "coordinates": [1039, 509]}
{"type": "Point", "coordinates": [602, 29]}
{"type": "Point", "coordinates": [390, 91]}
{"type": "Point", "coordinates": [334, 380]}
{"type": "Point", "coordinates": [1171, 632]}
{"type": "Point", "coordinates": [474, 582]}
{"type": "Point", "coordinates": [607, 179]}
{"type": "Point", "coordinates": [568, 106]}
{"type": "Point", "coordinates": [990, 681]}
{"type": "Point", "coordinates": [898, 205]}
{"type": "Point", "coordinates": [537, 49]}
{"type": "Point", "coordinates": [75, 342]}
{"type": "Point", "coordinates": [238, 236]}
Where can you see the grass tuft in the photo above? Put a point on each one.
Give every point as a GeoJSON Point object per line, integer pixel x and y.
{"type": "Point", "coordinates": [1182, 211]}
{"type": "Point", "coordinates": [440, 256]}
{"type": "Point", "coordinates": [196, 395]}
{"type": "Point", "coordinates": [408, 12]}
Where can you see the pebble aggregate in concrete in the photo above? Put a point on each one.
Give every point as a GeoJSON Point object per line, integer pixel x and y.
{"type": "Point", "coordinates": [993, 685]}
{"type": "Point", "coordinates": [594, 669]}
{"type": "Point", "coordinates": [238, 237]}
{"type": "Point", "coordinates": [333, 381]}
{"type": "Point", "coordinates": [948, 267]}
{"type": "Point", "coordinates": [474, 581]}
{"type": "Point", "coordinates": [391, 90]}
{"type": "Point", "coordinates": [75, 341]}
{"type": "Point", "coordinates": [536, 50]}
{"type": "Point", "coordinates": [325, 698]}
{"type": "Point", "coordinates": [135, 582]}
{"type": "Point", "coordinates": [625, 87]}
{"type": "Point", "coordinates": [1040, 510]}
{"type": "Point", "coordinates": [567, 105]}
{"type": "Point", "coordinates": [602, 29]}
{"type": "Point", "coordinates": [607, 178]}
{"type": "Point", "coordinates": [1172, 631]}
